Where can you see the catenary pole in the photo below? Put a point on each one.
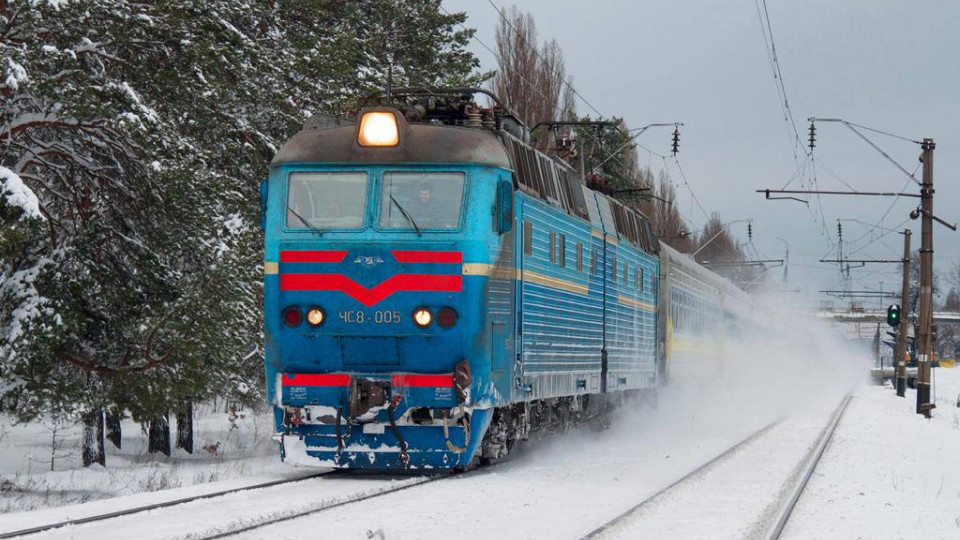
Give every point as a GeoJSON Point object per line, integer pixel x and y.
{"type": "Point", "coordinates": [925, 309]}
{"type": "Point", "coordinates": [901, 354]}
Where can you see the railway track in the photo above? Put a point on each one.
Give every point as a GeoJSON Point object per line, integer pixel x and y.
{"type": "Point", "coordinates": [812, 460]}
{"type": "Point", "coordinates": [782, 512]}
{"type": "Point", "coordinates": [242, 527]}
{"type": "Point", "coordinates": [683, 479]}
{"type": "Point", "coordinates": [245, 524]}
{"type": "Point", "coordinates": [147, 507]}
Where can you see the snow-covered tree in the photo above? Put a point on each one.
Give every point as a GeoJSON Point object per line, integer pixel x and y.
{"type": "Point", "coordinates": [132, 140]}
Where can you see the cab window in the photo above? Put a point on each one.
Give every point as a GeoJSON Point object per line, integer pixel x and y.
{"type": "Point", "coordinates": [417, 200]}
{"type": "Point", "coordinates": [326, 200]}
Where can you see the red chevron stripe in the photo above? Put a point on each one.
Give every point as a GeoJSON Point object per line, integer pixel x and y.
{"type": "Point", "coordinates": [316, 379]}
{"type": "Point", "coordinates": [420, 381]}
{"type": "Point", "coordinates": [453, 257]}
{"type": "Point", "coordinates": [312, 256]}
{"type": "Point", "coordinates": [371, 297]}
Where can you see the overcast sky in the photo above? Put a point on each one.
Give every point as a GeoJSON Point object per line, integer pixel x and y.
{"type": "Point", "coordinates": [887, 64]}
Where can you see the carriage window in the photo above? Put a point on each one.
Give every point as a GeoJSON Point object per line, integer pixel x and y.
{"type": "Point", "coordinates": [326, 200]}
{"type": "Point", "coordinates": [579, 257]}
{"type": "Point", "coordinates": [562, 251]}
{"type": "Point", "coordinates": [421, 199]}
{"type": "Point", "coordinates": [527, 238]}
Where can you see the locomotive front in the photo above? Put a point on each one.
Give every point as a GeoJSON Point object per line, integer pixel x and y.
{"type": "Point", "coordinates": [380, 237]}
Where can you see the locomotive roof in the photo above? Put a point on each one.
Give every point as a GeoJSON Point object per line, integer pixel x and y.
{"type": "Point", "coordinates": [419, 143]}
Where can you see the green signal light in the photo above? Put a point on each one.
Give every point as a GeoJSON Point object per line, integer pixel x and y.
{"type": "Point", "coordinates": [893, 315]}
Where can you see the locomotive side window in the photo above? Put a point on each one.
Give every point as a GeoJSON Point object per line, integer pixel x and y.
{"type": "Point", "coordinates": [553, 247]}
{"type": "Point", "coordinates": [562, 251]}
{"type": "Point", "coordinates": [527, 238]}
{"type": "Point", "coordinates": [579, 257]}
{"type": "Point", "coordinates": [326, 200]}
{"type": "Point", "coordinates": [421, 199]}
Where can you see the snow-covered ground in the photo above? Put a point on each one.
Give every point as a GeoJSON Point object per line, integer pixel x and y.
{"type": "Point", "coordinates": [41, 468]}
{"type": "Point", "coordinates": [888, 473]}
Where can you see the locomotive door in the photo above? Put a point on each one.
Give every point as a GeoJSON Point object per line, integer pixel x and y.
{"type": "Point", "coordinates": [524, 236]}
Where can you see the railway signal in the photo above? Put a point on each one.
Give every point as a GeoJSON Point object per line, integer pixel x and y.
{"type": "Point", "coordinates": [893, 315]}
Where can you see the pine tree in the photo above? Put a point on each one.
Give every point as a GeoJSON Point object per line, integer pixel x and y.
{"type": "Point", "coordinates": [134, 138]}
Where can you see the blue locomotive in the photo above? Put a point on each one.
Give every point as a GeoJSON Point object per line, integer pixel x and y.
{"type": "Point", "coordinates": [437, 290]}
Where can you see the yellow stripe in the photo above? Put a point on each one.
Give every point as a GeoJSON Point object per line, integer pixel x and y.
{"type": "Point", "coordinates": [599, 234]}
{"type": "Point", "coordinates": [490, 270]}
{"type": "Point", "coordinates": [503, 272]}
{"type": "Point", "coordinates": [710, 347]}
{"type": "Point", "coordinates": [270, 268]}
{"type": "Point", "coordinates": [556, 283]}
{"type": "Point", "coordinates": [627, 301]}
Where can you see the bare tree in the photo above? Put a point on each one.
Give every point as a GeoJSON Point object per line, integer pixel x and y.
{"type": "Point", "coordinates": [716, 245]}
{"type": "Point", "coordinates": [531, 76]}
{"type": "Point", "coordinates": [663, 214]}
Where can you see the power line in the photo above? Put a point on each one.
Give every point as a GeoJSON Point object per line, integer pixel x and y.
{"type": "Point", "coordinates": [690, 189]}
{"type": "Point", "coordinates": [767, 29]}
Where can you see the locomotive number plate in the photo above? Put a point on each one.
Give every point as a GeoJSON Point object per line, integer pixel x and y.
{"type": "Point", "coordinates": [381, 316]}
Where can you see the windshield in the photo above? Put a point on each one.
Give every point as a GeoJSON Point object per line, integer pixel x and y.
{"type": "Point", "coordinates": [326, 200]}
{"type": "Point", "coordinates": [421, 200]}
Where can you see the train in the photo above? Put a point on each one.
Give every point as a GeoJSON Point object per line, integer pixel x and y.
{"type": "Point", "coordinates": [436, 290]}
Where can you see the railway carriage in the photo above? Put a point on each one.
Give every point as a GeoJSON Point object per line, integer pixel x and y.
{"type": "Point", "coordinates": [437, 290]}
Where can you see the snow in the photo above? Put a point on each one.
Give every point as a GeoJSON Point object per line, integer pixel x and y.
{"type": "Point", "coordinates": [18, 194]}
{"type": "Point", "coordinates": [55, 4]}
{"type": "Point", "coordinates": [16, 74]}
{"type": "Point", "coordinates": [149, 113]}
{"type": "Point", "coordinates": [224, 449]}
{"type": "Point", "coordinates": [889, 472]}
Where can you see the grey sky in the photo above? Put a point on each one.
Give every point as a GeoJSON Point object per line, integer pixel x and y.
{"type": "Point", "coordinates": [888, 64]}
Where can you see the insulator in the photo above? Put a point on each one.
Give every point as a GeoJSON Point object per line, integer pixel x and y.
{"type": "Point", "coordinates": [473, 119]}
{"type": "Point", "coordinates": [488, 120]}
{"type": "Point", "coordinates": [813, 135]}
{"type": "Point", "coordinates": [676, 140]}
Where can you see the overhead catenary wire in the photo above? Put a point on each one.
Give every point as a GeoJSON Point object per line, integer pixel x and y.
{"type": "Point", "coordinates": [686, 183]}
{"type": "Point", "coordinates": [771, 48]}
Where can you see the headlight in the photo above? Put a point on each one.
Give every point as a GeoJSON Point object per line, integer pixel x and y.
{"type": "Point", "coordinates": [422, 317]}
{"type": "Point", "coordinates": [315, 316]}
{"type": "Point", "coordinates": [378, 128]}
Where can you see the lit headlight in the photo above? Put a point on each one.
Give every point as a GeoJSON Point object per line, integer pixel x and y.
{"type": "Point", "coordinates": [422, 317]}
{"type": "Point", "coordinates": [378, 129]}
{"type": "Point", "coordinates": [315, 316]}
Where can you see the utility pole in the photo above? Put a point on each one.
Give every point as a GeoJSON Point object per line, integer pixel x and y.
{"type": "Point", "coordinates": [901, 354]}
{"type": "Point", "coordinates": [924, 343]}
{"type": "Point", "coordinates": [924, 334]}
{"type": "Point", "coordinates": [786, 259]}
